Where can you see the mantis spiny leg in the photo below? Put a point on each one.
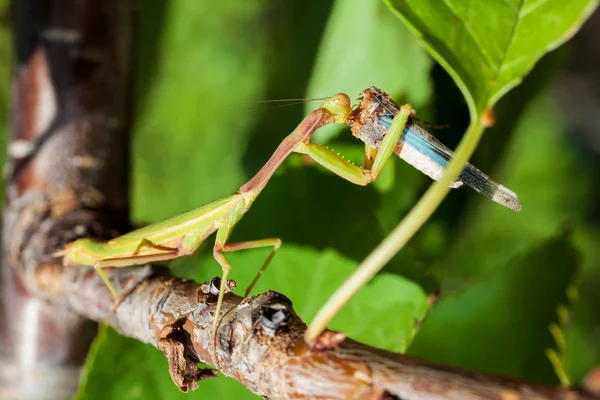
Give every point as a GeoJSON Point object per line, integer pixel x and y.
{"type": "Point", "coordinates": [255, 244]}
{"type": "Point", "coordinates": [129, 261]}
{"type": "Point", "coordinates": [350, 172]}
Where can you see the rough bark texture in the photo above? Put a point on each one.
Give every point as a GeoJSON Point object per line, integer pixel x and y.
{"type": "Point", "coordinates": [69, 163]}
{"type": "Point", "coordinates": [67, 177]}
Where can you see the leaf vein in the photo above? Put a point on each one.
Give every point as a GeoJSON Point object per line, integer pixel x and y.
{"type": "Point", "coordinates": [510, 5]}
{"type": "Point", "coordinates": [478, 45]}
{"type": "Point", "coordinates": [511, 40]}
{"type": "Point", "coordinates": [529, 10]}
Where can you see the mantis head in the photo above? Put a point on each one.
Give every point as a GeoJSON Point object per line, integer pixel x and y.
{"type": "Point", "coordinates": [339, 107]}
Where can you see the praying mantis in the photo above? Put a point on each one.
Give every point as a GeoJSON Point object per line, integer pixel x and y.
{"type": "Point", "coordinates": [385, 129]}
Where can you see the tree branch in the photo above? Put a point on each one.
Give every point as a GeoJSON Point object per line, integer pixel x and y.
{"type": "Point", "coordinates": [69, 158]}
{"type": "Point", "coordinates": [68, 175]}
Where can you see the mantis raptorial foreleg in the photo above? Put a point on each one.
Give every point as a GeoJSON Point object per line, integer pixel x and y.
{"type": "Point", "coordinates": [354, 173]}
{"type": "Point", "coordinates": [370, 154]}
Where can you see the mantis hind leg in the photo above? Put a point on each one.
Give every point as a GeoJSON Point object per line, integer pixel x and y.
{"type": "Point", "coordinates": [106, 281]}
{"type": "Point", "coordinates": [128, 261]}
{"type": "Point", "coordinates": [221, 247]}
{"type": "Point", "coordinates": [254, 244]}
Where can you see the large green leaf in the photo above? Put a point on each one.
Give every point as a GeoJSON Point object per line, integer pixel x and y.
{"type": "Point", "coordinates": [119, 367]}
{"type": "Point", "coordinates": [488, 45]}
{"type": "Point", "coordinates": [500, 323]}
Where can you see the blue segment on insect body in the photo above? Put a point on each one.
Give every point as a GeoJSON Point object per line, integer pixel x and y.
{"type": "Point", "coordinates": [430, 156]}
{"type": "Point", "coordinates": [433, 151]}
{"type": "Point", "coordinates": [437, 154]}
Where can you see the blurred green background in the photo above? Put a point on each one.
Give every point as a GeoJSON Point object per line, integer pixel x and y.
{"type": "Point", "coordinates": [518, 289]}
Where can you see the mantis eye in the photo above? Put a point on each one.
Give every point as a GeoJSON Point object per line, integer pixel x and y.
{"type": "Point", "coordinates": [338, 104]}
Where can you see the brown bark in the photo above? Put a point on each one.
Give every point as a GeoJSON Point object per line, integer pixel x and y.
{"type": "Point", "coordinates": [68, 176]}
{"type": "Point", "coordinates": [69, 163]}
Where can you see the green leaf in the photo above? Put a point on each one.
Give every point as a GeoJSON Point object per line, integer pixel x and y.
{"type": "Point", "coordinates": [501, 322]}
{"type": "Point", "coordinates": [365, 46]}
{"type": "Point", "coordinates": [488, 46]}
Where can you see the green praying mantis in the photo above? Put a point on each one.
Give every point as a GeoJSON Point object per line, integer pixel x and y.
{"type": "Point", "coordinates": [377, 120]}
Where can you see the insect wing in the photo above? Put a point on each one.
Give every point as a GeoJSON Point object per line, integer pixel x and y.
{"type": "Point", "coordinates": [427, 154]}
